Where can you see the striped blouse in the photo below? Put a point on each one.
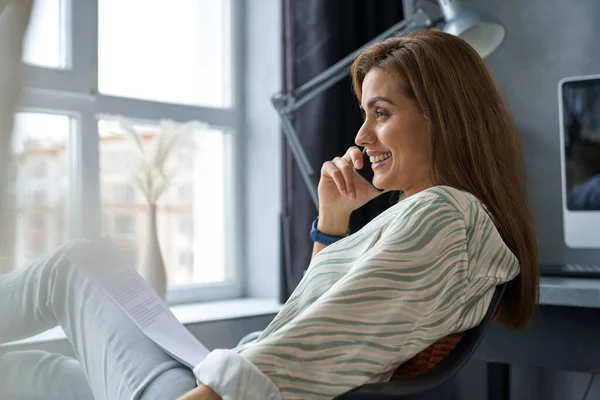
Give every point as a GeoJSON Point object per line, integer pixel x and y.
{"type": "Point", "coordinates": [421, 270]}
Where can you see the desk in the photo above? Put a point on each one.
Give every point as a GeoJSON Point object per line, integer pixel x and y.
{"type": "Point", "coordinates": [564, 335]}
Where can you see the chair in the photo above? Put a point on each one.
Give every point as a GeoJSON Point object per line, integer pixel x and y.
{"type": "Point", "coordinates": [453, 363]}
{"type": "Point", "coordinates": [460, 350]}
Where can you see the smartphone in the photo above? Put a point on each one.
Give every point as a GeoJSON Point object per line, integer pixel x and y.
{"type": "Point", "coordinates": [366, 172]}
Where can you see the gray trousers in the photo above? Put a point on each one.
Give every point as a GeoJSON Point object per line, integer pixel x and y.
{"type": "Point", "coordinates": [114, 359]}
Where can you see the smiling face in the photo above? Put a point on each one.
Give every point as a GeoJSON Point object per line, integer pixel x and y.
{"type": "Point", "coordinates": [395, 135]}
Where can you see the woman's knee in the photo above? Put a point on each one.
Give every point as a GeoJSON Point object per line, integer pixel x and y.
{"type": "Point", "coordinates": [80, 254]}
{"type": "Point", "coordinates": [62, 257]}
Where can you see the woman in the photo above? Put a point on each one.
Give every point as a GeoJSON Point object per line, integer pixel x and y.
{"type": "Point", "coordinates": [437, 130]}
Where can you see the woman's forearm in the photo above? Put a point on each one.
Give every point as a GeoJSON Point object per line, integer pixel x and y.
{"type": "Point", "coordinates": [331, 224]}
{"type": "Point", "coordinates": [202, 392]}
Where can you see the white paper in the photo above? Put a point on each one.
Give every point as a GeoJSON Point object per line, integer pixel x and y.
{"type": "Point", "coordinates": [139, 301]}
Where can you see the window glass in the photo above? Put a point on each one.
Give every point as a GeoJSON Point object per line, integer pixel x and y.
{"type": "Point", "coordinates": [177, 53]}
{"type": "Point", "coordinates": [46, 37]}
{"type": "Point", "coordinates": [190, 215]}
{"type": "Point", "coordinates": [37, 208]}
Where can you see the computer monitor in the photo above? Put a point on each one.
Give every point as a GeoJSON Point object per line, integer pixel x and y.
{"type": "Point", "coordinates": [579, 113]}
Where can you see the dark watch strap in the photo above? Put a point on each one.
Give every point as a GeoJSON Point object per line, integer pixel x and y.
{"type": "Point", "coordinates": [323, 238]}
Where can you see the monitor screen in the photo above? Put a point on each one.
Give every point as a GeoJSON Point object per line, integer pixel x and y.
{"type": "Point", "coordinates": [579, 99]}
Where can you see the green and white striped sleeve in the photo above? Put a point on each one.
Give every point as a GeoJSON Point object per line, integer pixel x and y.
{"type": "Point", "coordinates": [404, 293]}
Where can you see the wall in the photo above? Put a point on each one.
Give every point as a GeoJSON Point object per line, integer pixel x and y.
{"type": "Point", "coordinates": [262, 151]}
{"type": "Point", "coordinates": [546, 40]}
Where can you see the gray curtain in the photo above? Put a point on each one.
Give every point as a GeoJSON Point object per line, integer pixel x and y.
{"type": "Point", "coordinates": [317, 34]}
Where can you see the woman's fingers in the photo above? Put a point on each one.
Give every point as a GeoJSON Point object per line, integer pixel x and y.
{"type": "Point", "coordinates": [341, 171]}
{"type": "Point", "coordinates": [331, 170]}
{"type": "Point", "coordinates": [354, 154]}
{"type": "Point", "coordinates": [344, 164]}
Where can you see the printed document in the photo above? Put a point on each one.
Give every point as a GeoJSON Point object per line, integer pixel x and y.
{"type": "Point", "coordinates": [139, 301]}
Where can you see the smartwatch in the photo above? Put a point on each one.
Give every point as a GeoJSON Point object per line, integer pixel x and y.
{"type": "Point", "coordinates": [318, 236]}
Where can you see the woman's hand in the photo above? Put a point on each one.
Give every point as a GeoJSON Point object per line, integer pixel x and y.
{"type": "Point", "coordinates": [202, 392]}
{"type": "Point", "coordinates": [341, 191]}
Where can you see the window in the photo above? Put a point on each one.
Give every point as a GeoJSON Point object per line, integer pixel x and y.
{"type": "Point", "coordinates": [106, 223]}
{"type": "Point", "coordinates": [179, 211]}
{"type": "Point", "coordinates": [38, 198]}
{"type": "Point", "coordinates": [148, 61]}
{"type": "Point", "coordinates": [186, 226]}
{"type": "Point", "coordinates": [116, 161]}
{"type": "Point", "coordinates": [38, 170]}
{"type": "Point", "coordinates": [186, 261]}
{"type": "Point", "coordinates": [37, 222]}
{"type": "Point", "coordinates": [124, 193]}
{"type": "Point", "coordinates": [124, 224]}
{"type": "Point", "coordinates": [185, 193]}
{"type": "Point", "coordinates": [186, 160]}
{"type": "Point", "coordinates": [13, 174]}
{"type": "Point", "coordinates": [182, 47]}
{"type": "Point", "coordinates": [8, 258]}
{"type": "Point", "coordinates": [46, 39]}
{"type": "Point", "coordinates": [11, 198]}
{"type": "Point", "coordinates": [40, 145]}
{"type": "Point", "coordinates": [184, 269]}
{"type": "Point", "coordinates": [37, 244]}
{"type": "Point", "coordinates": [59, 231]}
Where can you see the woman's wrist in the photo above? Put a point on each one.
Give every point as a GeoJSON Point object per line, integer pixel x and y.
{"type": "Point", "coordinates": [335, 224]}
{"type": "Point", "coordinates": [201, 392]}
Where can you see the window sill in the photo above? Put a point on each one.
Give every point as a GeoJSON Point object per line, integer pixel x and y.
{"type": "Point", "coordinates": [187, 314]}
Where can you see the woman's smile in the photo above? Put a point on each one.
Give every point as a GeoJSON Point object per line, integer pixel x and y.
{"type": "Point", "coordinates": [381, 163]}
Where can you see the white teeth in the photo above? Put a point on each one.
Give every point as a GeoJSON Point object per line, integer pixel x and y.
{"type": "Point", "coordinates": [380, 157]}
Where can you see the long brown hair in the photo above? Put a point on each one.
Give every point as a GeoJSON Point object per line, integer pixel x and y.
{"type": "Point", "coordinates": [475, 146]}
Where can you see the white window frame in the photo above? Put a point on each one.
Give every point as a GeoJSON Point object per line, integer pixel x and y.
{"type": "Point", "coordinates": [74, 92]}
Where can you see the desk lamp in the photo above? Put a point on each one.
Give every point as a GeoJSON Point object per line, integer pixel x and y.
{"type": "Point", "coordinates": [477, 28]}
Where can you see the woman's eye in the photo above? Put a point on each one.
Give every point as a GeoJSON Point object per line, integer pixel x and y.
{"type": "Point", "coordinates": [380, 113]}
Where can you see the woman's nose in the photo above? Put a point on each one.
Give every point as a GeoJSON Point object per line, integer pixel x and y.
{"type": "Point", "coordinates": [364, 136]}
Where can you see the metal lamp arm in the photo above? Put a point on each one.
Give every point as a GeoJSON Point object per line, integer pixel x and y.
{"type": "Point", "coordinates": [335, 73]}
{"type": "Point", "coordinates": [287, 103]}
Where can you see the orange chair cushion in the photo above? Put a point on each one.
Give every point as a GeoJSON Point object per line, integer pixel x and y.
{"type": "Point", "coordinates": [428, 358]}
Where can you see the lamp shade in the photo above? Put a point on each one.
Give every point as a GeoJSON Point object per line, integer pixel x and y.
{"type": "Point", "coordinates": [478, 29]}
